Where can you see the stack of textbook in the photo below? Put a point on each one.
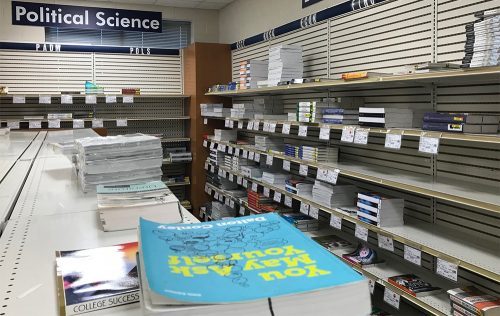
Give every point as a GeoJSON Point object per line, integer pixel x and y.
{"type": "Point", "coordinates": [121, 206]}
{"type": "Point", "coordinates": [126, 159]}
{"type": "Point", "coordinates": [285, 64]}
{"type": "Point", "coordinates": [340, 116]}
{"type": "Point", "coordinates": [216, 157]}
{"type": "Point", "coordinates": [318, 154]}
{"type": "Point", "coordinates": [482, 47]}
{"type": "Point", "coordinates": [266, 143]}
{"type": "Point", "coordinates": [460, 122]}
{"type": "Point", "coordinates": [333, 195]}
{"type": "Point", "coordinates": [472, 301]}
{"type": "Point", "coordinates": [379, 210]}
{"type": "Point", "coordinates": [214, 110]}
{"type": "Point", "coordinates": [251, 171]}
{"type": "Point", "coordinates": [275, 178]}
{"type": "Point", "coordinates": [385, 117]}
{"type": "Point", "coordinates": [252, 71]}
{"type": "Point", "coordinates": [227, 135]}
{"type": "Point", "coordinates": [299, 187]}
{"type": "Point", "coordinates": [218, 268]}
{"type": "Point", "coordinates": [221, 211]}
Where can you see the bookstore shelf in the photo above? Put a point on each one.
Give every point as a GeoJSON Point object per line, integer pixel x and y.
{"type": "Point", "coordinates": [152, 95]}
{"type": "Point", "coordinates": [472, 76]}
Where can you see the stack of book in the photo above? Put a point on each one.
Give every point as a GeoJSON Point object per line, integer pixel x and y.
{"type": "Point", "coordinates": [257, 200]}
{"type": "Point", "coordinates": [261, 108]}
{"type": "Point", "coordinates": [243, 111]}
{"type": "Point", "coordinates": [275, 178]}
{"type": "Point", "coordinates": [363, 256]}
{"type": "Point", "coordinates": [460, 122]}
{"type": "Point", "coordinates": [469, 301]}
{"type": "Point", "coordinates": [482, 46]}
{"type": "Point", "coordinates": [177, 154]}
{"type": "Point", "coordinates": [291, 150]}
{"type": "Point", "coordinates": [299, 187]}
{"type": "Point", "coordinates": [221, 211]}
{"type": "Point", "coordinates": [340, 116]}
{"type": "Point", "coordinates": [301, 221]}
{"type": "Point", "coordinates": [432, 67]}
{"type": "Point", "coordinates": [318, 154]}
{"type": "Point", "coordinates": [225, 184]}
{"type": "Point", "coordinates": [379, 210]}
{"type": "Point", "coordinates": [333, 243]}
{"type": "Point", "coordinates": [385, 117]}
{"type": "Point", "coordinates": [227, 135]}
{"type": "Point", "coordinates": [266, 143]}
{"type": "Point", "coordinates": [121, 206]}
{"type": "Point", "coordinates": [413, 285]}
{"type": "Point", "coordinates": [126, 159]}
{"type": "Point", "coordinates": [214, 110]}
{"type": "Point", "coordinates": [285, 64]}
{"type": "Point", "coordinates": [253, 172]}
{"type": "Point", "coordinates": [237, 163]}
{"type": "Point", "coordinates": [216, 157]}
{"type": "Point", "coordinates": [333, 195]}
{"type": "Point", "coordinates": [310, 112]}
{"type": "Point", "coordinates": [252, 71]}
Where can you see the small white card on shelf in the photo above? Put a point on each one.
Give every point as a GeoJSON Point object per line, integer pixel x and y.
{"type": "Point", "coordinates": [255, 187]}
{"type": "Point", "coordinates": [209, 191]}
{"type": "Point", "coordinates": [240, 125]}
{"type": "Point", "coordinates": [206, 187]}
{"type": "Point", "coordinates": [277, 197]}
{"type": "Point", "coordinates": [324, 133]}
{"type": "Point", "coordinates": [55, 123]}
{"type": "Point", "coordinates": [256, 125]}
{"type": "Point", "coordinates": [242, 210]}
{"type": "Point", "coordinates": [250, 125]}
{"type": "Point", "coordinates": [371, 285]}
{"type": "Point", "coordinates": [66, 99]}
{"type": "Point", "coordinates": [228, 201]}
{"type": "Point", "coordinates": [230, 150]}
{"type": "Point", "coordinates": [428, 144]}
{"type": "Point", "coordinates": [244, 182]}
{"type": "Point", "coordinates": [269, 160]}
{"type": "Point", "coordinates": [288, 201]}
{"type": "Point", "coordinates": [13, 124]}
{"type": "Point", "coordinates": [231, 124]}
{"type": "Point", "coordinates": [244, 154]}
{"type": "Point", "coordinates": [110, 99]}
{"type": "Point", "coordinates": [393, 140]}
{"type": "Point", "coordinates": [361, 232]}
{"type": "Point", "coordinates": [336, 222]}
{"type": "Point", "coordinates": [44, 99]}
{"type": "Point", "coordinates": [286, 165]}
{"type": "Point", "coordinates": [304, 208]}
{"type": "Point", "coordinates": [239, 180]}
{"type": "Point", "coordinates": [97, 123]}
{"type": "Point", "coordinates": [348, 134]}
{"type": "Point", "coordinates": [128, 99]}
{"type": "Point", "coordinates": [302, 131]}
{"type": "Point", "coordinates": [206, 165]}
{"type": "Point", "coordinates": [236, 152]}
{"type": "Point", "coordinates": [447, 269]}
{"type": "Point", "coordinates": [230, 177]}
{"type": "Point", "coordinates": [303, 170]}
{"type": "Point", "coordinates": [205, 143]}
{"type": "Point", "coordinates": [222, 148]}
{"type": "Point", "coordinates": [314, 212]}
{"type": "Point", "coordinates": [77, 123]}
{"type": "Point", "coordinates": [231, 204]}
{"type": "Point", "coordinates": [212, 145]}
{"type": "Point", "coordinates": [333, 176]}
{"type": "Point", "coordinates": [413, 255]}
{"type": "Point", "coordinates": [385, 242]}
{"type": "Point", "coordinates": [322, 174]}
{"type": "Point", "coordinates": [205, 121]}
{"type": "Point", "coordinates": [18, 99]}
{"type": "Point", "coordinates": [265, 127]}
{"type": "Point", "coordinates": [272, 127]}
{"type": "Point", "coordinates": [251, 155]}
{"type": "Point", "coordinates": [267, 192]}
{"type": "Point", "coordinates": [285, 129]}
{"type": "Point", "coordinates": [226, 123]}
{"type": "Point", "coordinates": [361, 136]}
{"type": "Point", "coordinates": [121, 123]}
{"type": "Point", "coordinates": [256, 157]}
{"type": "Point", "coordinates": [35, 124]}
{"type": "Point", "coordinates": [391, 298]}
{"type": "Point", "coordinates": [90, 99]}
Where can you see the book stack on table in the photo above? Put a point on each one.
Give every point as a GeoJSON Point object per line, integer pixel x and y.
{"type": "Point", "coordinates": [252, 71]}
{"type": "Point", "coordinates": [285, 63]}
{"type": "Point", "coordinates": [460, 122]}
{"type": "Point", "coordinates": [227, 135]}
{"type": "Point", "coordinates": [340, 116]}
{"type": "Point", "coordinates": [482, 46]}
{"type": "Point", "coordinates": [333, 195]}
{"type": "Point", "coordinates": [379, 210]}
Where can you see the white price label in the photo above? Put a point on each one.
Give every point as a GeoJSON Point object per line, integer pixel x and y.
{"type": "Point", "coordinates": [447, 269]}
{"type": "Point", "coordinates": [256, 125]}
{"type": "Point", "coordinates": [230, 150]}
{"type": "Point", "coordinates": [429, 145]}
{"type": "Point", "coordinates": [267, 192]}
{"type": "Point", "coordinates": [226, 123]}
{"type": "Point", "coordinates": [128, 99]}
{"type": "Point", "coordinates": [269, 160]}
{"type": "Point", "coordinates": [391, 298]}
{"type": "Point", "coordinates": [236, 152]}
{"type": "Point", "coordinates": [206, 165]}
{"type": "Point", "coordinates": [385, 242]}
{"type": "Point", "coordinates": [97, 123]}
{"type": "Point", "coordinates": [78, 124]}
{"type": "Point", "coordinates": [66, 99]}
{"type": "Point", "coordinates": [212, 145]}
{"type": "Point", "coordinates": [205, 121]}
{"type": "Point", "coordinates": [242, 210]}
{"type": "Point", "coordinates": [286, 165]}
{"type": "Point", "coordinates": [371, 286]}
{"type": "Point", "coordinates": [265, 128]}
{"type": "Point", "coordinates": [303, 131]}
{"type": "Point", "coordinates": [240, 125]}
{"type": "Point", "coordinates": [231, 204]}
{"type": "Point", "coordinates": [245, 183]}
{"type": "Point", "coordinates": [255, 187]}
{"type": "Point", "coordinates": [336, 222]}
{"type": "Point", "coordinates": [222, 173]}
{"type": "Point", "coordinates": [244, 154]}
{"type": "Point", "coordinates": [272, 127]}
{"type": "Point", "coordinates": [361, 232]}
{"type": "Point", "coordinates": [55, 123]}
{"type": "Point", "coordinates": [222, 148]}
{"type": "Point", "coordinates": [324, 133]}
{"type": "Point", "coordinates": [228, 201]}
{"type": "Point", "coordinates": [35, 124]}
{"type": "Point", "coordinates": [314, 212]}
{"type": "Point", "coordinates": [44, 99]}
{"type": "Point", "coordinates": [322, 174]}
{"type": "Point", "coordinates": [91, 99]}
{"type": "Point", "coordinates": [256, 157]}
{"type": "Point", "coordinates": [303, 170]}
{"type": "Point", "coordinates": [239, 180]}
{"type": "Point", "coordinates": [111, 99]}
{"type": "Point", "coordinates": [205, 143]}
{"type": "Point", "coordinates": [250, 125]}
{"type": "Point", "coordinates": [348, 134]}
{"type": "Point", "coordinates": [121, 123]}
{"type": "Point", "coordinates": [206, 187]}
{"type": "Point", "coordinates": [277, 197]}
{"type": "Point", "coordinates": [288, 201]}
{"type": "Point", "coordinates": [221, 198]}
{"type": "Point", "coordinates": [333, 176]}
{"type": "Point", "coordinates": [13, 124]}
{"type": "Point", "coordinates": [304, 208]}
{"type": "Point", "coordinates": [216, 195]}
{"type": "Point", "coordinates": [18, 99]}
{"type": "Point", "coordinates": [210, 191]}
{"type": "Point", "coordinates": [393, 141]}
{"type": "Point", "coordinates": [413, 255]}
{"type": "Point", "coordinates": [285, 129]}
{"type": "Point", "coordinates": [231, 124]}
{"type": "Point", "coordinates": [230, 177]}
{"type": "Point", "coordinates": [361, 136]}
{"type": "Point", "coordinates": [212, 168]}
{"type": "Point", "coordinates": [251, 155]}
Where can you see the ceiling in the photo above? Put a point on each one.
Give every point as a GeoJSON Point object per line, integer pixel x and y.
{"type": "Point", "coordinates": [198, 4]}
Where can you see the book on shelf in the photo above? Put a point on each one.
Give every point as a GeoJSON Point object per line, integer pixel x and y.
{"type": "Point", "coordinates": [413, 285]}
{"type": "Point", "coordinates": [475, 301]}
{"type": "Point", "coordinates": [253, 265]}
{"type": "Point", "coordinates": [380, 210]}
{"type": "Point", "coordinates": [334, 242]}
{"type": "Point", "coordinates": [362, 256]}
{"type": "Point", "coordinates": [94, 279]}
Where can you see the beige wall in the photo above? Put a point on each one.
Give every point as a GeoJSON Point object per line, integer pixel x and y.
{"type": "Point", "coordinates": [245, 18]}
{"type": "Point", "coordinates": [205, 23]}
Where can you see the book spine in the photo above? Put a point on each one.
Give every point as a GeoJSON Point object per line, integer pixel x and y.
{"type": "Point", "coordinates": [399, 286]}
{"type": "Point", "coordinates": [466, 305]}
{"type": "Point", "coordinates": [442, 127]}
{"type": "Point", "coordinates": [443, 118]}
{"type": "Point", "coordinates": [462, 310]}
{"type": "Point", "coordinates": [103, 303]}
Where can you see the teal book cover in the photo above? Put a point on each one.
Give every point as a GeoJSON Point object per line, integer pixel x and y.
{"type": "Point", "coordinates": [131, 188]}
{"type": "Point", "coordinates": [236, 260]}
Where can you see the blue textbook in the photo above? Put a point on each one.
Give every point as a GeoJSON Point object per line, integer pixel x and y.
{"type": "Point", "coordinates": [249, 259]}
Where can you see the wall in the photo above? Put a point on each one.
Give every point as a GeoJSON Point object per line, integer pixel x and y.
{"type": "Point", "coordinates": [204, 22]}
{"type": "Point", "coordinates": [244, 18]}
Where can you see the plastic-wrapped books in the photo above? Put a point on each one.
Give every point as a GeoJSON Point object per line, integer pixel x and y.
{"type": "Point", "coordinates": [251, 171]}
{"type": "Point", "coordinates": [340, 116]}
{"type": "Point", "coordinates": [285, 63]}
{"type": "Point", "coordinates": [216, 157]}
{"type": "Point", "coordinates": [275, 178]}
{"type": "Point", "coordinates": [299, 187]}
{"type": "Point", "coordinates": [214, 110]}
{"type": "Point", "coordinates": [318, 154]}
{"type": "Point", "coordinates": [482, 46]}
{"type": "Point", "coordinates": [379, 210]}
{"type": "Point", "coordinates": [334, 195]}
{"type": "Point", "coordinates": [386, 117]}
{"type": "Point", "coordinates": [225, 135]}
{"type": "Point", "coordinates": [251, 72]}
{"type": "Point", "coordinates": [267, 143]}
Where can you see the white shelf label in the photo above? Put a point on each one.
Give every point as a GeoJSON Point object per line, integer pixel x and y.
{"type": "Point", "coordinates": [212, 145]}
{"type": "Point", "coordinates": [322, 174]}
{"type": "Point", "coordinates": [206, 187]}
{"type": "Point", "coordinates": [447, 269]}
{"type": "Point", "coordinates": [97, 123]}
{"type": "Point", "coordinates": [221, 198]}
{"type": "Point", "coordinates": [35, 124]}
{"type": "Point", "coordinates": [222, 148]}
{"type": "Point", "coordinates": [228, 201]}
{"type": "Point", "coordinates": [220, 173]}
{"type": "Point", "coordinates": [91, 99]}
{"type": "Point", "coordinates": [66, 99]}
{"type": "Point", "coordinates": [210, 191]}
{"type": "Point", "coordinates": [244, 154]}
{"type": "Point", "coordinates": [230, 150]}
{"type": "Point", "coordinates": [285, 129]}
{"type": "Point", "coordinates": [205, 143]}
{"type": "Point", "coordinates": [121, 123]}
{"type": "Point", "coordinates": [314, 212]}
{"type": "Point", "coordinates": [269, 160]}
{"type": "Point", "coordinates": [239, 180]}
{"type": "Point", "coordinates": [44, 99]}
{"type": "Point", "coordinates": [371, 286]}
{"type": "Point", "coordinates": [288, 201]}
{"type": "Point", "coordinates": [245, 183]}
{"type": "Point", "coordinates": [212, 168]}
{"type": "Point", "coordinates": [361, 232]}
{"type": "Point", "coordinates": [111, 99]}
{"type": "Point", "coordinates": [251, 155]}
{"type": "Point", "coordinates": [255, 187]}
{"type": "Point", "coordinates": [277, 197]}
{"type": "Point", "coordinates": [265, 128]}
{"type": "Point", "coordinates": [385, 242]}
{"type": "Point", "coordinates": [250, 125]}
{"type": "Point", "coordinates": [272, 127]}
{"type": "Point", "coordinates": [231, 124]}
{"type": "Point", "coordinates": [413, 255]}
{"type": "Point", "coordinates": [304, 208]}
{"type": "Point", "coordinates": [242, 210]}
{"type": "Point", "coordinates": [240, 125]}
{"type": "Point", "coordinates": [236, 152]}
{"type": "Point", "coordinates": [303, 170]}
{"type": "Point", "coordinates": [226, 123]}
{"type": "Point", "coordinates": [361, 136]}
{"type": "Point", "coordinates": [302, 131]}
{"type": "Point", "coordinates": [256, 125]}
{"type": "Point", "coordinates": [391, 298]}
{"type": "Point", "coordinates": [230, 177]}
{"type": "Point", "coordinates": [231, 204]}
{"type": "Point", "coordinates": [336, 222]}
{"type": "Point", "coordinates": [13, 124]}
{"type": "Point", "coordinates": [348, 134]}
{"type": "Point", "coordinates": [429, 145]}
{"type": "Point", "coordinates": [393, 141]}
{"type": "Point", "coordinates": [333, 176]}
{"type": "Point", "coordinates": [128, 99]}
{"type": "Point", "coordinates": [256, 157]}
{"type": "Point", "coordinates": [324, 133]}
{"type": "Point", "coordinates": [56, 123]}
{"type": "Point", "coordinates": [206, 165]}
{"type": "Point", "coordinates": [19, 99]}
{"type": "Point", "coordinates": [267, 192]}
{"type": "Point", "coordinates": [205, 121]}
{"type": "Point", "coordinates": [286, 165]}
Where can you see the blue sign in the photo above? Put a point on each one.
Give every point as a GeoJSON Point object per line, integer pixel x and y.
{"type": "Point", "coordinates": [306, 3]}
{"type": "Point", "coordinates": [43, 14]}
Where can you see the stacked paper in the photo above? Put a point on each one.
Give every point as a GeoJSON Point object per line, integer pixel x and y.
{"type": "Point", "coordinates": [310, 112]}
{"type": "Point", "coordinates": [225, 135]}
{"type": "Point", "coordinates": [126, 159]}
{"type": "Point", "coordinates": [237, 163]}
{"type": "Point", "coordinates": [482, 47]}
{"type": "Point", "coordinates": [340, 116]}
{"type": "Point", "coordinates": [379, 210]}
{"type": "Point", "coordinates": [285, 64]}
{"type": "Point", "coordinates": [275, 178]}
{"type": "Point", "coordinates": [216, 157]}
{"type": "Point", "coordinates": [214, 110]}
{"type": "Point", "coordinates": [299, 187]}
{"type": "Point", "coordinates": [386, 117]}
{"type": "Point", "coordinates": [267, 143]}
{"type": "Point", "coordinates": [318, 154]}
{"type": "Point", "coordinates": [333, 195]}
{"type": "Point", "coordinates": [251, 171]}
{"type": "Point", "coordinates": [252, 71]}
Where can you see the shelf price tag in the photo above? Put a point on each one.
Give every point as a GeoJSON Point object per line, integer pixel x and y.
{"type": "Point", "coordinates": [322, 174]}
{"type": "Point", "coordinates": [391, 298]}
{"type": "Point", "coordinates": [128, 99]}
{"type": "Point", "coordinates": [216, 195]}
{"type": "Point", "coordinates": [413, 255]}
{"type": "Point", "coordinates": [272, 127]}
{"type": "Point", "coordinates": [221, 198]}
{"type": "Point", "coordinates": [242, 210]}
{"type": "Point", "coordinates": [269, 160]}
{"type": "Point", "coordinates": [314, 212]}
{"type": "Point", "coordinates": [429, 143]}
{"type": "Point", "coordinates": [236, 152]}
{"type": "Point", "coordinates": [231, 204]}
{"type": "Point", "coordinates": [97, 123]}
{"type": "Point", "coordinates": [121, 122]}
{"type": "Point", "coordinates": [66, 99]}
{"type": "Point", "coordinates": [230, 177]}
{"type": "Point", "coordinates": [240, 125]}
{"type": "Point", "coordinates": [244, 154]}
{"type": "Point", "coordinates": [19, 99]}
{"type": "Point", "coordinates": [324, 133]}
{"type": "Point", "coordinates": [336, 222]}
{"type": "Point", "coordinates": [35, 124]}
{"type": "Point", "coordinates": [265, 128]}
{"type": "Point", "coordinates": [209, 191]}
{"type": "Point", "coordinates": [251, 155]}
{"type": "Point", "coordinates": [206, 166]}
{"type": "Point", "coordinates": [13, 124]}
{"type": "Point", "coordinates": [304, 208]}
{"type": "Point", "coordinates": [256, 125]}
{"type": "Point", "coordinates": [348, 134]}
{"type": "Point", "coordinates": [44, 99]}
{"type": "Point", "coordinates": [221, 173]}
{"type": "Point", "coordinates": [231, 124]}
{"type": "Point", "coordinates": [288, 201]}
{"type": "Point", "coordinates": [285, 129]}
{"type": "Point", "coordinates": [447, 269]}
{"type": "Point", "coordinates": [212, 145]}
{"type": "Point", "coordinates": [205, 121]}
{"type": "Point", "coordinates": [239, 180]}
{"type": "Point", "coordinates": [267, 192]}
{"type": "Point", "coordinates": [230, 150]}
{"type": "Point", "coordinates": [250, 125]}
{"type": "Point", "coordinates": [385, 242]}
{"type": "Point", "coordinates": [244, 182]}
{"type": "Point", "coordinates": [222, 148]}
{"type": "Point", "coordinates": [255, 187]}
{"type": "Point", "coordinates": [302, 131]}
{"type": "Point", "coordinates": [393, 139]}
{"type": "Point", "coordinates": [371, 286]}
{"type": "Point", "coordinates": [206, 187]}
{"type": "Point", "coordinates": [303, 170]}
{"type": "Point", "coordinates": [361, 136]}
{"type": "Point", "coordinates": [361, 232]}
{"type": "Point", "coordinates": [277, 197]}
{"type": "Point", "coordinates": [212, 168]}
{"type": "Point", "coordinates": [205, 143]}
{"type": "Point", "coordinates": [56, 123]}
{"type": "Point", "coordinates": [286, 165]}
{"type": "Point", "coordinates": [333, 176]}
{"type": "Point", "coordinates": [256, 157]}
{"type": "Point", "coordinates": [228, 201]}
{"type": "Point", "coordinates": [91, 99]}
{"type": "Point", "coordinates": [226, 123]}
{"type": "Point", "coordinates": [111, 99]}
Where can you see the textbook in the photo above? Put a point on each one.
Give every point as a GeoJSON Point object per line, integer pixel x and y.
{"type": "Point", "coordinates": [93, 279]}
{"type": "Point", "coordinates": [475, 301]}
{"type": "Point", "coordinates": [413, 285]}
{"type": "Point", "coordinates": [253, 265]}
